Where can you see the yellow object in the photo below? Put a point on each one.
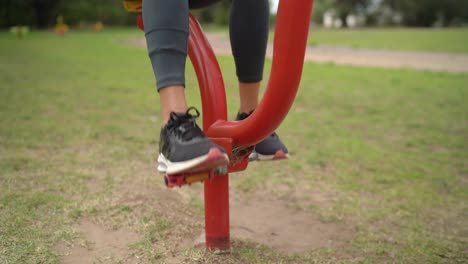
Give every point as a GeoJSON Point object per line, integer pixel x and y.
{"type": "Point", "coordinates": [134, 6]}
{"type": "Point", "coordinates": [61, 28]}
{"type": "Point", "coordinates": [98, 26]}
{"type": "Point", "coordinates": [197, 178]}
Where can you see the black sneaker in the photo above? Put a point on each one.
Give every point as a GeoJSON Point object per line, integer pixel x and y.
{"type": "Point", "coordinates": [271, 148]}
{"type": "Point", "coordinates": [184, 148]}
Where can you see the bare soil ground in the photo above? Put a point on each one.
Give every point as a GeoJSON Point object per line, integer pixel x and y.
{"type": "Point", "coordinates": [100, 244]}
{"type": "Point", "coordinates": [269, 221]}
{"type": "Point", "coordinates": [258, 217]}
{"type": "Point", "coordinates": [445, 62]}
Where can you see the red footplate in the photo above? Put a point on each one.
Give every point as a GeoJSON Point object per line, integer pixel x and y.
{"type": "Point", "coordinates": [189, 178]}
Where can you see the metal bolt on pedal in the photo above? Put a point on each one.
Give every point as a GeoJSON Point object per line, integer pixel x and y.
{"type": "Point", "coordinates": [221, 170]}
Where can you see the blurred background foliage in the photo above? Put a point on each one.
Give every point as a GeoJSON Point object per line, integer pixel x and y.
{"type": "Point", "coordinates": [421, 13]}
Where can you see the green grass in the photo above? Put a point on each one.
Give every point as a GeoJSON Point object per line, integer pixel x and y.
{"type": "Point", "coordinates": [79, 123]}
{"type": "Point", "coordinates": [431, 40]}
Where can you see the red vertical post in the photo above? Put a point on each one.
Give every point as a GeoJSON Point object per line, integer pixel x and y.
{"type": "Point", "coordinates": [214, 108]}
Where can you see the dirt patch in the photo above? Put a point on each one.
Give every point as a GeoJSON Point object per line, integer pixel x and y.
{"type": "Point", "coordinates": [439, 62]}
{"type": "Point", "coordinates": [263, 218]}
{"type": "Point", "coordinates": [269, 221]}
{"type": "Point", "coordinates": [100, 245]}
{"type": "Point", "coordinates": [132, 208]}
{"type": "Point", "coordinates": [445, 62]}
{"type": "Point", "coordinates": [147, 196]}
{"type": "Point", "coordinates": [146, 193]}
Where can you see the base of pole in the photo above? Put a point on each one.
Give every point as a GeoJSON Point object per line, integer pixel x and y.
{"type": "Point", "coordinates": [223, 243]}
{"type": "Point", "coordinates": [200, 241]}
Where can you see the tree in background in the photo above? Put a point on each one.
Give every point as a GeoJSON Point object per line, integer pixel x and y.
{"type": "Point", "coordinates": [320, 8]}
{"type": "Point", "coordinates": [40, 13]}
{"type": "Point", "coordinates": [423, 13]}
{"type": "Point", "coordinates": [430, 12]}
{"type": "Point", "coordinates": [43, 13]}
{"type": "Point", "coordinates": [109, 12]}
{"type": "Point", "coordinates": [219, 14]}
{"type": "Point", "coordinates": [341, 8]}
{"type": "Point", "coordinates": [348, 7]}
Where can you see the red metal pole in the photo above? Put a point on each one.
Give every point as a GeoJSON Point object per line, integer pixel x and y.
{"type": "Point", "coordinates": [214, 108]}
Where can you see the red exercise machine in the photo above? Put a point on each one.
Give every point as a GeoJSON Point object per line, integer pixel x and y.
{"type": "Point", "coordinates": [237, 138]}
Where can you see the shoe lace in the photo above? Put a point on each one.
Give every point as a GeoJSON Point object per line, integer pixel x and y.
{"type": "Point", "coordinates": [185, 126]}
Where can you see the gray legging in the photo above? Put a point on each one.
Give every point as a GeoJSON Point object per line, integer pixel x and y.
{"type": "Point", "coordinates": [167, 30]}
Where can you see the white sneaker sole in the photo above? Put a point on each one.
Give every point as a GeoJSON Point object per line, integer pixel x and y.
{"type": "Point", "coordinates": [277, 156]}
{"type": "Point", "coordinates": [214, 158]}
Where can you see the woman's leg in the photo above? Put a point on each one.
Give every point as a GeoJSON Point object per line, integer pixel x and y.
{"type": "Point", "coordinates": [183, 146]}
{"type": "Point", "coordinates": [249, 26]}
{"type": "Point", "coordinates": [166, 31]}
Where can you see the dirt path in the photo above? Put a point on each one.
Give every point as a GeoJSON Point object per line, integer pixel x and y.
{"type": "Point", "coordinates": [456, 63]}
{"type": "Point", "coordinates": [445, 62]}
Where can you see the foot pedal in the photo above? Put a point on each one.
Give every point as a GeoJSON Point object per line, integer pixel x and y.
{"type": "Point", "coordinates": [180, 180]}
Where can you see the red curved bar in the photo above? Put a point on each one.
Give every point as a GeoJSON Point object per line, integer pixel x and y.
{"type": "Point", "coordinates": [209, 75]}
{"type": "Point", "coordinates": [214, 107]}
{"type": "Point", "coordinates": [290, 42]}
